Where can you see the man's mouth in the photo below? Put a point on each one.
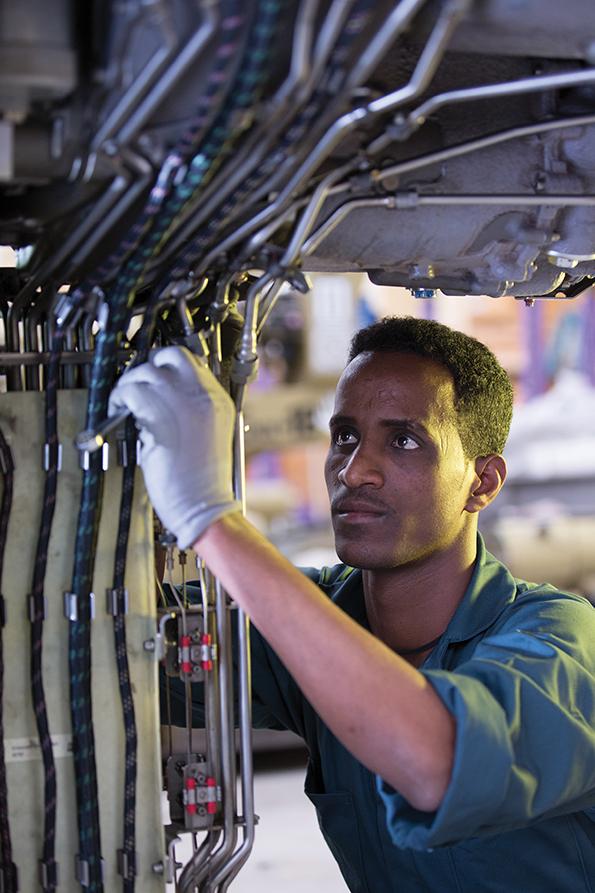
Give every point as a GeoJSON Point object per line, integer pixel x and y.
{"type": "Point", "coordinates": [357, 511]}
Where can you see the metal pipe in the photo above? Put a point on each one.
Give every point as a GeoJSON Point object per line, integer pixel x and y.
{"type": "Point", "coordinates": [476, 145]}
{"type": "Point", "coordinates": [142, 82]}
{"type": "Point", "coordinates": [33, 358]}
{"type": "Point", "coordinates": [234, 864]}
{"type": "Point", "coordinates": [424, 70]}
{"type": "Point", "coordinates": [178, 68]}
{"type": "Point", "coordinates": [411, 200]}
{"type": "Point", "coordinates": [87, 225]}
{"type": "Point", "coordinates": [490, 91]}
{"type": "Point", "coordinates": [257, 144]}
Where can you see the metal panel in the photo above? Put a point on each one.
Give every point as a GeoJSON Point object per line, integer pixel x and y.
{"type": "Point", "coordinates": [21, 420]}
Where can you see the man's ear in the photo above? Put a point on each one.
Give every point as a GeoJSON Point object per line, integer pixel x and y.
{"type": "Point", "coordinates": [490, 474]}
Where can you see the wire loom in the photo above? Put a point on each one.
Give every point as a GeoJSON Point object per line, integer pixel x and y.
{"type": "Point", "coordinates": [118, 303]}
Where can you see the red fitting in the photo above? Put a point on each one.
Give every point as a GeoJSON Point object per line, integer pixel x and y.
{"type": "Point", "coordinates": [212, 792]}
{"type": "Point", "coordinates": [190, 785]}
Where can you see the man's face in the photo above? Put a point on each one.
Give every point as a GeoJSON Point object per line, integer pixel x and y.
{"type": "Point", "coordinates": [396, 473]}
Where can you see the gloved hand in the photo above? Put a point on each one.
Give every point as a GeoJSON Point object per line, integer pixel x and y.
{"type": "Point", "coordinates": [186, 424]}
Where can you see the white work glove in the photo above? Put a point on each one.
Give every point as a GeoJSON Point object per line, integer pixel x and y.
{"type": "Point", "coordinates": [186, 422]}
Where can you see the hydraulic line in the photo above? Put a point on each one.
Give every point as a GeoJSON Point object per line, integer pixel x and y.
{"type": "Point", "coordinates": [8, 870]}
{"type": "Point", "coordinates": [118, 605]}
{"type": "Point", "coordinates": [37, 612]}
{"type": "Point", "coordinates": [277, 159]}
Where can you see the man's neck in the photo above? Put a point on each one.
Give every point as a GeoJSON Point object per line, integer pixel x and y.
{"type": "Point", "coordinates": [412, 605]}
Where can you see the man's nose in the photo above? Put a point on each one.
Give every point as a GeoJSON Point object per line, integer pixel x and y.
{"type": "Point", "coordinates": [361, 468]}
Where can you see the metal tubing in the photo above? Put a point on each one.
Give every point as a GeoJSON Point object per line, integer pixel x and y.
{"type": "Point", "coordinates": [140, 85]}
{"type": "Point", "coordinates": [232, 867]}
{"type": "Point", "coordinates": [428, 62]}
{"type": "Point", "coordinates": [228, 765]}
{"type": "Point", "coordinates": [300, 63]}
{"type": "Point", "coordinates": [424, 70]}
{"type": "Point", "coordinates": [88, 224]}
{"type": "Point", "coordinates": [177, 69]}
{"type": "Point", "coordinates": [399, 18]}
{"type": "Point", "coordinates": [476, 145]}
{"type": "Point", "coordinates": [108, 222]}
{"type": "Point", "coordinates": [510, 88]}
{"type": "Point", "coordinates": [410, 201]}
{"type": "Point", "coordinates": [252, 153]}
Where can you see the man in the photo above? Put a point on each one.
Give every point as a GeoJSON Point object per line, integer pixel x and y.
{"type": "Point", "coordinates": [448, 708]}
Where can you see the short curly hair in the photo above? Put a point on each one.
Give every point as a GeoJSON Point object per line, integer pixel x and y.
{"type": "Point", "coordinates": [483, 391]}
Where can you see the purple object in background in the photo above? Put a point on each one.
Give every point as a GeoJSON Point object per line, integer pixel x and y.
{"type": "Point", "coordinates": [588, 340]}
{"type": "Point", "coordinates": [534, 375]}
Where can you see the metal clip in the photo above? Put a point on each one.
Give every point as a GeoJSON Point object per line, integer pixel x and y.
{"type": "Point", "coordinates": [48, 874]}
{"type": "Point", "coordinates": [81, 871]}
{"type": "Point", "coordinates": [85, 458]}
{"type": "Point", "coordinates": [47, 456]}
{"type": "Point", "coordinates": [71, 606]}
{"type": "Point", "coordinates": [126, 864]}
{"type": "Point", "coordinates": [117, 601]}
{"type": "Point", "coordinates": [36, 603]}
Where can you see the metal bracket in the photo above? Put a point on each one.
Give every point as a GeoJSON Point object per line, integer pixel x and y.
{"type": "Point", "coordinates": [48, 874]}
{"type": "Point", "coordinates": [117, 601]}
{"type": "Point", "coordinates": [85, 458]}
{"type": "Point", "coordinates": [81, 871]}
{"type": "Point", "coordinates": [126, 864]}
{"type": "Point", "coordinates": [47, 456]}
{"type": "Point", "coordinates": [34, 602]}
{"type": "Point", "coordinates": [71, 606]}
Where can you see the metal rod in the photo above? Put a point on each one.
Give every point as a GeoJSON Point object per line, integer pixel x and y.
{"type": "Point", "coordinates": [536, 84]}
{"type": "Point", "coordinates": [178, 68]}
{"type": "Point", "coordinates": [411, 200]}
{"type": "Point", "coordinates": [231, 868]}
{"type": "Point", "coordinates": [69, 357]}
{"type": "Point", "coordinates": [476, 145]}
{"type": "Point", "coordinates": [141, 84]}
{"type": "Point", "coordinates": [424, 71]}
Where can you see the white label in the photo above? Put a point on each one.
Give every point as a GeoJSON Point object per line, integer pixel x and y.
{"type": "Point", "coordinates": [20, 750]}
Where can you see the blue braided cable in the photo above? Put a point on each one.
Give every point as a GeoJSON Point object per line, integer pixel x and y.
{"type": "Point", "coordinates": [358, 20]}
{"type": "Point", "coordinates": [119, 302]}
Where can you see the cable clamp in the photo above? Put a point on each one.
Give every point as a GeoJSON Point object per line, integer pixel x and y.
{"type": "Point", "coordinates": [127, 864]}
{"type": "Point", "coordinates": [52, 456]}
{"type": "Point", "coordinates": [72, 609]}
{"type": "Point", "coordinates": [48, 874]}
{"type": "Point", "coordinates": [81, 871]}
{"type": "Point", "coordinates": [85, 458]}
{"type": "Point", "coordinates": [38, 606]}
{"type": "Point", "coordinates": [117, 601]}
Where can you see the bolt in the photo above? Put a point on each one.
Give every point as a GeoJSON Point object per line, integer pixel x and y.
{"type": "Point", "coordinates": [149, 644]}
{"type": "Point", "coordinates": [158, 868]}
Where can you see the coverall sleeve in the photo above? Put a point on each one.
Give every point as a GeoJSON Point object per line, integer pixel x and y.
{"type": "Point", "coordinates": [524, 706]}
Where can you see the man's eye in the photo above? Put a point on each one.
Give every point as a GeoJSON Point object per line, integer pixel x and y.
{"type": "Point", "coordinates": [404, 442]}
{"type": "Point", "coordinates": [343, 438]}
